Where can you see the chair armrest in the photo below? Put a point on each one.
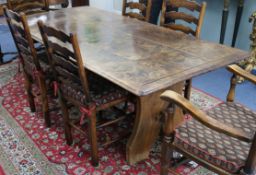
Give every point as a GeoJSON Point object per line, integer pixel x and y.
{"type": "Point", "coordinates": [203, 118]}
{"type": "Point", "coordinates": [241, 72]}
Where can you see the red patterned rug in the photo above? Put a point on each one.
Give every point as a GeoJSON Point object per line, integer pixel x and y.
{"type": "Point", "coordinates": [30, 148]}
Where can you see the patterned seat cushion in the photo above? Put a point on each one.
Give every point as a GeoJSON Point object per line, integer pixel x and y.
{"type": "Point", "coordinates": [219, 149]}
{"type": "Point", "coordinates": [101, 91]}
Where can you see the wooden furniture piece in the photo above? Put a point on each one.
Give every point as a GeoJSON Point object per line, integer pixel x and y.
{"type": "Point", "coordinates": [28, 6]}
{"type": "Point", "coordinates": [139, 10]}
{"type": "Point", "coordinates": [178, 15]}
{"type": "Point", "coordinates": [2, 9]}
{"type": "Point", "coordinates": [142, 58]}
{"type": "Point", "coordinates": [33, 59]}
{"type": "Point", "coordinates": [76, 3]}
{"type": "Point", "coordinates": [250, 63]}
{"type": "Point", "coordinates": [3, 54]}
{"type": "Point", "coordinates": [223, 139]}
{"type": "Point", "coordinates": [89, 92]}
{"type": "Point", "coordinates": [168, 19]}
{"type": "Point", "coordinates": [34, 6]}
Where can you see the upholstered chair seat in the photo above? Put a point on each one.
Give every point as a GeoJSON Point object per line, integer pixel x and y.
{"type": "Point", "coordinates": [214, 147]}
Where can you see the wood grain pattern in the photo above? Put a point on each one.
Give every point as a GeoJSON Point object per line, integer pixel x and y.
{"type": "Point", "coordinates": [146, 58]}
{"type": "Point", "coordinates": [142, 58]}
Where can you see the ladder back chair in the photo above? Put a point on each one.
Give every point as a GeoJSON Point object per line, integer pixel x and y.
{"type": "Point", "coordinates": [169, 19]}
{"type": "Point", "coordinates": [34, 60]}
{"type": "Point", "coordinates": [223, 139]}
{"type": "Point", "coordinates": [81, 88]}
{"type": "Point", "coordinates": [139, 10]}
{"type": "Point", "coordinates": [28, 6]}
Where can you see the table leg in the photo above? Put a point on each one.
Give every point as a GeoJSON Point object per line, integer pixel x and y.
{"type": "Point", "coordinates": [147, 125]}
{"type": "Point", "coordinates": [238, 19]}
{"type": "Point", "coordinates": [224, 21]}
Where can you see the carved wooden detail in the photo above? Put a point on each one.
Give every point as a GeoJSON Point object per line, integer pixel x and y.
{"type": "Point", "coordinates": [250, 63]}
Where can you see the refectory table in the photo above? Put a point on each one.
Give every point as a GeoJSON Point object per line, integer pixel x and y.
{"type": "Point", "coordinates": [142, 58]}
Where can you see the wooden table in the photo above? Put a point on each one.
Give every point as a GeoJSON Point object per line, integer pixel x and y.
{"type": "Point", "coordinates": [142, 58]}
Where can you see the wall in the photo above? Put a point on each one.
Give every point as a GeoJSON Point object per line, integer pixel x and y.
{"type": "Point", "coordinates": [110, 5]}
{"type": "Point", "coordinates": [212, 23]}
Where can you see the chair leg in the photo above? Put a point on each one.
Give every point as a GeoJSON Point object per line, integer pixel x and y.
{"type": "Point", "coordinates": [165, 155]}
{"type": "Point", "coordinates": [187, 91]}
{"type": "Point", "coordinates": [46, 113]}
{"type": "Point", "coordinates": [93, 140]}
{"type": "Point", "coordinates": [65, 113]}
{"type": "Point", "coordinates": [28, 86]}
{"type": "Point", "coordinates": [45, 103]}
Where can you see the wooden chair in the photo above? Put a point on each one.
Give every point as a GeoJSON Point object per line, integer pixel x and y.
{"type": "Point", "coordinates": [143, 7]}
{"type": "Point", "coordinates": [28, 6]}
{"type": "Point", "coordinates": [81, 88]}
{"type": "Point", "coordinates": [223, 139]}
{"type": "Point", "coordinates": [169, 20]}
{"type": "Point", "coordinates": [34, 60]}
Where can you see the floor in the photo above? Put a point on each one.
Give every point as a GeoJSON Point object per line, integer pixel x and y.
{"type": "Point", "coordinates": [217, 84]}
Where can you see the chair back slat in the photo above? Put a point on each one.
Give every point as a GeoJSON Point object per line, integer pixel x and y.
{"type": "Point", "coordinates": [66, 76]}
{"type": "Point", "coordinates": [188, 4]}
{"type": "Point", "coordinates": [62, 50]}
{"type": "Point", "coordinates": [27, 6]}
{"type": "Point", "coordinates": [169, 18]}
{"type": "Point", "coordinates": [23, 43]}
{"type": "Point", "coordinates": [181, 16]}
{"type": "Point", "coordinates": [180, 27]}
{"type": "Point", "coordinates": [13, 16]}
{"type": "Point", "coordinates": [67, 64]}
{"type": "Point", "coordinates": [65, 57]}
{"type": "Point", "coordinates": [136, 15]}
{"type": "Point", "coordinates": [21, 34]}
{"type": "Point", "coordinates": [64, 3]}
{"type": "Point", "coordinates": [143, 7]}
{"type": "Point", "coordinates": [19, 30]}
{"type": "Point", "coordinates": [51, 32]}
{"type": "Point", "coordinates": [136, 5]}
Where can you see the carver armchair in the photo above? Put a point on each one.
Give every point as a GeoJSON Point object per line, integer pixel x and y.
{"type": "Point", "coordinates": [223, 139]}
